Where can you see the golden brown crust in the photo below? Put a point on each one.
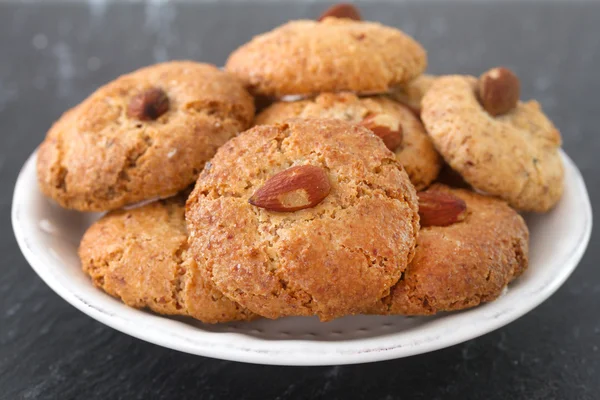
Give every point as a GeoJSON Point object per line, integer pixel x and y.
{"type": "Point", "coordinates": [514, 156]}
{"type": "Point", "coordinates": [96, 157]}
{"type": "Point", "coordinates": [309, 57]}
{"type": "Point", "coordinates": [417, 153]}
{"type": "Point", "coordinates": [464, 264]}
{"type": "Point", "coordinates": [331, 260]}
{"type": "Point", "coordinates": [141, 257]}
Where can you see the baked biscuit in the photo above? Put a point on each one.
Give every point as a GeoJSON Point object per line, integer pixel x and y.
{"type": "Point", "coordinates": [514, 155]}
{"type": "Point", "coordinates": [141, 257]}
{"type": "Point", "coordinates": [147, 134]}
{"type": "Point", "coordinates": [415, 151]}
{"type": "Point", "coordinates": [464, 264]}
{"type": "Point", "coordinates": [337, 255]}
{"type": "Point", "coordinates": [411, 93]}
{"type": "Point", "coordinates": [335, 54]}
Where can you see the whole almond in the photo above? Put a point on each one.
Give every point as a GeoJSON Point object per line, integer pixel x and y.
{"type": "Point", "coordinates": [294, 189]}
{"type": "Point", "coordinates": [499, 90]}
{"type": "Point", "coordinates": [389, 131]}
{"type": "Point", "coordinates": [341, 10]}
{"type": "Point", "coordinates": [148, 105]}
{"type": "Point", "coordinates": [440, 208]}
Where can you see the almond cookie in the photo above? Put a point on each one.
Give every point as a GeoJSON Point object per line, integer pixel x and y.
{"type": "Point", "coordinates": [335, 54]}
{"type": "Point", "coordinates": [513, 155]}
{"type": "Point", "coordinates": [402, 132]}
{"type": "Point", "coordinates": [464, 263]}
{"type": "Point", "coordinates": [411, 93]}
{"type": "Point", "coordinates": [308, 217]}
{"type": "Point", "coordinates": [146, 134]}
{"type": "Point", "coordinates": [141, 257]}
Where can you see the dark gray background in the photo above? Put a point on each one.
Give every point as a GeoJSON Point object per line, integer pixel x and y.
{"type": "Point", "coordinates": [53, 55]}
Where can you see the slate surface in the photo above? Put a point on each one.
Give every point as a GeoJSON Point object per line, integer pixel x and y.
{"type": "Point", "coordinates": [53, 55]}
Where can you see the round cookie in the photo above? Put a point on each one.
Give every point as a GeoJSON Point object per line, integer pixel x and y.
{"type": "Point", "coordinates": [416, 152]}
{"type": "Point", "coordinates": [332, 259]}
{"type": "Point", "coordinates": [411, 93]}
{"type": "Point", "coordinates": [141, 257]}
{"type": "Point", "coordinates": [335, 54]}
{"type": "Point", "coordinates": [514, 156]}
{"type": "Point", "coordinates": [147, 134]}
{"type": "Point", "coordinates": [464, 264]}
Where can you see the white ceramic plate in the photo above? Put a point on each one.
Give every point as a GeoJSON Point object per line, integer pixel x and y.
{"type": "Point", "coordinates": [49, 236]}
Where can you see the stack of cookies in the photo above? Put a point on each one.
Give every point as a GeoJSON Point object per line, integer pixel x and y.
{"type": "Point", "coordinates": [364, 187]}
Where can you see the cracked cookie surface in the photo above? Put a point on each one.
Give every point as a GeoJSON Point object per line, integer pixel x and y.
{"type": "Point", "coordinates": [514, 156]}
{"type": "Point", "coordinates": [464, 264]}
{"type": "Point", "coordinates": [141, 257]}
{"type": "Point", "coordinates": [98, 157]}
{"type": "Point", "coordinates": [416, 153]}
{"type": "Point", "coordinates": [334, 259]}
{"type": "Point", "coordinates": [336, 54]}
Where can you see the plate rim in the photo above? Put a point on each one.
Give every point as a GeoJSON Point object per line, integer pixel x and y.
{"type": "Point", "coordinates": [159, 336]}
